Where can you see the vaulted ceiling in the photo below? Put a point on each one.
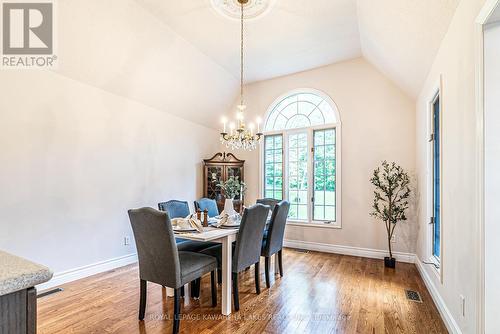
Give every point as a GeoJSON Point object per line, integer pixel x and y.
{"type": "Point", "coordinates": [182, 56]}
{"type": "Point", "coordinates": [400, 37]}
{"type": "Point", "coordinates": [295, 35]}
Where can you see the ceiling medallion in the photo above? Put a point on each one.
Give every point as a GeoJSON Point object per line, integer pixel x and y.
{"type": "Point", "coordinates": [232, 8]}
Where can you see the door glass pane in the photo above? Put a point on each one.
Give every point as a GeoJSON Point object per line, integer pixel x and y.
{"type": "Point", "coordinates": [273, 167]}
{"type": "Point", "coordinates": [297, 172]}
{"type": "Point", "coordinates": [436, 247]}
{"type": "Point", "coordinates": [324, 175]}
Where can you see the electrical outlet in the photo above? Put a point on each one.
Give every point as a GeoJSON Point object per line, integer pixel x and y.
{"type": "Point", "coordinates": [126, 240]}
{"type": "Point", "coordinates": [393, 239]}
{"type": "Point", "coordinates": [462, 305]}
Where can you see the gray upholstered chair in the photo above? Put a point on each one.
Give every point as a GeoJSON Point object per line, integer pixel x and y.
{"type": "Point", "coordinates": [180, 209]}
{"type": "Point", "coordinates": [247, 248]}
{"type": "Point", "coordinates": [271, 202]}
{"type": "Point", "coordinates": [209, 204]}
{"type": "Point", "coordinates": [273, 237]}
{"type": "Point", "coordinates": [160, 262]}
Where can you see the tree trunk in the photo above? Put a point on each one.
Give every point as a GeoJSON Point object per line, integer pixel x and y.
{"type": "Point", "coordinates": [390, 246]}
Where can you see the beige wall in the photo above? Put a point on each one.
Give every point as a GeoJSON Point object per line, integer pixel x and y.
{"type": "Point", "coordinates": [98, 135]}
{"type": "Point", "coordinates": [378, 122]}
{"type": "Point", "coordinates": [492, 177]}
{"type": "Point", "coordinates": [456, 63]}
{"type": "Point", "coordinates": [75, 158]}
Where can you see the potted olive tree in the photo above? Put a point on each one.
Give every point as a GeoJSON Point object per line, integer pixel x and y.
{"type": "Point", "coordinates": [391, 200]}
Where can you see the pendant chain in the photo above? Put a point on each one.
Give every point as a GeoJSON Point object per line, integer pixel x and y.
{"type": "Point", "coordinates": [241, 57]}
{"type": "Point", "coordinates": [241, 137]}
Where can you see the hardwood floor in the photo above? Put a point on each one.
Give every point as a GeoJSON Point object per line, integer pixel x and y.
{"type": "Point", "coordinates": [320, 293]}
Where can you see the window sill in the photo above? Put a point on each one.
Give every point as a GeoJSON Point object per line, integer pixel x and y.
{"type": "Point", "coordinates": [435, 265]}
{"type": "Point", "coordinates": [336, 225]}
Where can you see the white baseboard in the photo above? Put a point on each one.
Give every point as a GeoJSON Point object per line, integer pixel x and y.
{"type": "Point", "coordinates": [348, 250]}
{"type": "Point", "coordinates": [448, 319]}
{"type": "Point", "coordinates": [88, 270]}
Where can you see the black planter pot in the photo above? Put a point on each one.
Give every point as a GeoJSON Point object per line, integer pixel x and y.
{"type": "Point", "coordinates": [390, 262]}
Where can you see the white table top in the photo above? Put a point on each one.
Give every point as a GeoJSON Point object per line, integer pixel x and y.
{"type": "Point", "coordinates": [209, 234]}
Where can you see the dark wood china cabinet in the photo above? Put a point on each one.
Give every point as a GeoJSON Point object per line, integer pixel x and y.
{"type": "Point", "coordinates": [220, 168]}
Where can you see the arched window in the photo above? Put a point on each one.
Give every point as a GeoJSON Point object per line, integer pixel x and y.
{"type": "Point", "coordinates": [301, 156]}
{"type": "Point", "coordinates": [299, 110]}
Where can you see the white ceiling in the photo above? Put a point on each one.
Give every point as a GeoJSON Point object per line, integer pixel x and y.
{"type": "Point", "coordinates": [295, 35]}
{"type": "Point", "coordinates": [495, 16]}
{"type": "Point", "coordinates": [182, 56]}
{"type": "Point", "coordinates": [400, 37]}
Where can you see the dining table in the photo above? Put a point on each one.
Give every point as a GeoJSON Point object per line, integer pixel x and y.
{"type": "Point", "coordinates": [224, 236]}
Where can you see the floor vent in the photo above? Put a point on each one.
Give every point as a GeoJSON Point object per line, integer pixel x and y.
{"type": "Point", "coordinates": [300, 250]}
{"type": "Point", "coordinates": [49, 292]}
{"type": "Point", "coordinates": [413, 296]}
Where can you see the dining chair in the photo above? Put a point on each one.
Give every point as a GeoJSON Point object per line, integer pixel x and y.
{"type": "Point", "coordinates": [180, 209]}
{"type": "Point", "coordinates": [209, 204]}
{"type": "Point", "coordinates": [247, 248]}
{"type": "Point", "coordinates": [272, 242]}
{"type": "Point", "coordinates": [175, 208]}
{"type": "Point", "coordinates": [161, 262]}
{"type": "Point", "coordinates": [271, 202]}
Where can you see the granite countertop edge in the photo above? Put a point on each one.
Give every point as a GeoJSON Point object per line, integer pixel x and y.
{"type": "Point", "coordinates": [18, 274]}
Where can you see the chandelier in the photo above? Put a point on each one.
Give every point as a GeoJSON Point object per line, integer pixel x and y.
{"type": "Point", "coordinates": [239, 136]}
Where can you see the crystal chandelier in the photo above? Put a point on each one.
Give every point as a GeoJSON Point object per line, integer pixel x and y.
{"type": "Point", "coordinates": [240, 136]}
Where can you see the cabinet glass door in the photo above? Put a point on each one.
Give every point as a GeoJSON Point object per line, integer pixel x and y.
{"type": "Point", "coordinates": [214, 176]}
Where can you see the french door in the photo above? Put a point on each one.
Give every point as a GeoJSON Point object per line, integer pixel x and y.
{"type": "Point", "coordinates": [300, 165]}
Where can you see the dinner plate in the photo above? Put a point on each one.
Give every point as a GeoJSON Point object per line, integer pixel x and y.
{"type": "Point", "coordinates": [229, 226]}
{"type": "Point", "coordinates": [190, 229]}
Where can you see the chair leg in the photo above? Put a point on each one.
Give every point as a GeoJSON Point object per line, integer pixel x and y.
{"type": "Point", "coordinates": [236, 295]}
{"type": "Point", "coordinates": [268, 281]}
{"type": "Point", "coordinates": [142, 303]}
{"type": "Point", "coordinates": [280, 262]}
{"type": "Point", "coordinates": [192, 288]}
{"type": "Point", "coordinates": [219, 276]}
{"type": "Point", "coordinates": [195, 288]}
{"type": "Point", "coordinates": [257, 277]}
{"type": "Point", "coordinates": [177, 311]}
{"type": "Point", "coordinates": [213, 288]}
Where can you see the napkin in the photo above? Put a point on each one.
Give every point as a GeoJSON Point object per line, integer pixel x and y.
{"type": "Point", "coordinates": [190, 221]}
{"type": "Point", "coordinates": [181, 223]}
{"type": "Point", "coordinates": [196, 223]}
{"type": "Point", "coordinates": [229, 219]}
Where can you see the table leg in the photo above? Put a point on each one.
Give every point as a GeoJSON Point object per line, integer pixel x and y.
{"type": "Point", "coordinates": [226, 274]}
{"type": "Point", "coordinates": [276, 264]}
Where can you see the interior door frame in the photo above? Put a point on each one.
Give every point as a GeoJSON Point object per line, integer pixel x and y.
{"type": "Point", "coordinates": [481, 20]}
